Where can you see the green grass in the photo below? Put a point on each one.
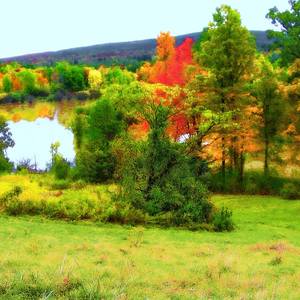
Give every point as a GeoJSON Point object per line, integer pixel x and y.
{"type": "Point", "coordinates": [43, 259]}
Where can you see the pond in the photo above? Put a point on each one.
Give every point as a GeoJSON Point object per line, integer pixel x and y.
{"type": "Point", "coordinates": [34, 138]}
{"type": "Point", "coordinates": [35, 127]}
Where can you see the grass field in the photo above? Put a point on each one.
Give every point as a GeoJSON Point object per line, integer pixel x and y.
{"type": "Point", "coordinates": [43, 259]}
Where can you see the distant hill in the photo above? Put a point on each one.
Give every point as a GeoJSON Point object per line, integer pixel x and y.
{"type": "Point", "coordinates": [113, 52]}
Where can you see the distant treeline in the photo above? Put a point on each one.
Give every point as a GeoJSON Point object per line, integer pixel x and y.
{"type": "Point", "coordinates": [129, 54]}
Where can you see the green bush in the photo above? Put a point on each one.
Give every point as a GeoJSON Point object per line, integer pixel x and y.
{"type": "Point", "coordinates": [158, 179]}
{"type": "Point", "coordinates": [61, 184]}
{"type": "Point", "coordinates": [73, 208]}
{"type": "Point", "coordinates": [5, 164]}
{"type": "Point", "coordinates": [60, 167]}
{"type": "Point", "coordinates": [94, 159]}
{"type": "Point", "coordinates": [290, 191]}
{"type": "Point", "coordinates": [94, 164]}
{"type": "Point", "coordinates": [10, 195]}
{"type": "Point", "coordinates": [222, 220]}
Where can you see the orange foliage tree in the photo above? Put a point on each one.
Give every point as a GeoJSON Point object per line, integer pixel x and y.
{"type": "Point", "coordinates": [170, 70]}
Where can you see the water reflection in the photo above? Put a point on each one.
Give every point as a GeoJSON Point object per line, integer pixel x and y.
{"type": "Point", "coordinates": [33, 140]}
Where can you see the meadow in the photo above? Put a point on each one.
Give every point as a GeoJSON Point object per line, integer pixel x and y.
{"type": "Point", "coordinates": [47, 259]}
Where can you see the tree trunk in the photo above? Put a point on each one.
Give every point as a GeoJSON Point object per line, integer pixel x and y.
{"type": "Point", "coordinates": [266, 162]}
{"type": "Point", "coordinates": [223, 168]}
{"type": "Point", "coordinates": [241, 168]}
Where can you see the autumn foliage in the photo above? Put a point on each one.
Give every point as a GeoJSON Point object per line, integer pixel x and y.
{"type": "Point", "coordinates": [171, 69]}
{"type": "Point", "coordinates": [170, 66]}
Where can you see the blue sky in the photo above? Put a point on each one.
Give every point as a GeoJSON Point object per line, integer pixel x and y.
{"type": "Point", "coordinates": [30, 26]}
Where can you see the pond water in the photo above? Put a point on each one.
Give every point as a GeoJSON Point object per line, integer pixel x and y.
{"type": "Point", "coordinates": [34, 138]}
{"type": "Point", "coordinates": [35, 127]}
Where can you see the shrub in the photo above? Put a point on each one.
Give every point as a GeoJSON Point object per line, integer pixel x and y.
{"type": "Point", "coordinates": [75, 209]}
{"type": "Point", "coordinates": [290, 191]}
{"type": "Point", "coordinates": [61, 167]}
{"type": "Point", "coordinates": [5, 165]}
{"type": "Point", "coordinates": [157, 178]}
{"type": "Point", "coordinates": [94, 165]}
{"type": "Point", "coordinates": [61, 184]}
{"type": "Point", "coordinates": [222, 220]}
{"type": "Point", "coordinates": [10, 195]}
{"type": "Point", "coordinates": [17, 207]}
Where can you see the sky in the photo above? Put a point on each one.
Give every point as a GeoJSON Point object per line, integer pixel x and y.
{"type": "Point", "coordinates": [31, 26]}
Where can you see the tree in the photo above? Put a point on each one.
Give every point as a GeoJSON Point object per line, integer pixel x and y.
{"type": "Point", "coordinates": [171, 62]}
{"type": "Point", "coordinates": [6, 141]}
{"type": "Point", "coordinates": [71, 77]}
{"type": "Point", "coordinates": [7, 84]}
{"type": "Point", "coordinates": [28, 81]}
{"type": "Point", "coordinates": [157, 175]}
{"type": "Point", "coordinates": [271, 107]}
{"type": "Point", "coordinates": [165, 46]}
{"type": "Point", "coordinates": [59, 165]}
{"type": "Point", "coordinates": [94, 79]}
{"type": "Point", "coordinates": [171, 71]}
{"type": "Point", "coordinates": [292, 91]}
{"type": "Point", "coordinates": [227, 52]}
{"type": "Point", "coordinates": [104, 122]}
{"type": "Point", "coordinates": [94, 159]}
{"type": "Point", "coordinates": [288, 39]}
{"type": "Point", "coordinates": [54, 151]}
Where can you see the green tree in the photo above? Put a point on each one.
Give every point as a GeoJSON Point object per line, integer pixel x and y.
{"type": "Point", "coordinates": [271, 108]}
{"type": "Point", "coordinates": [94, 159]}
{"type": "Point", "coordinates": [54, 151]}
{"type": "Point", "coordinates": [228, 52]}
{"type": "Point", "coordinates": [104, 122]}
{"type": "Point", "coordinates": [157, 174]}
{"type": "Point", "coordinates": [28, 81]}
{"type": "Point", "coordinates": [7, 84]}
{"type": "Point", "coordinates": [6, 141]}
{"type": "Point", "coordinates": [79, 127]}
{"type": "Point", "coordinates": [288, 38]}
{"type": "Point", "coordinates": [59, 165]}
{"type": "Point", "coordinates": [71, 77]}
{"type": "Point", "coordinates": [119, 76]}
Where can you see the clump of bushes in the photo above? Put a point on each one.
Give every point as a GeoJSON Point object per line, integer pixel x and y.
{"type": "Point", "coordinates": [61, 184]}
{"type": "Point", "coordinates": [290, 191]}
{"type": "Point", "coordinates": [157, 178]}
{"type": "Point", "coordinates": [72, 208]}
{"type": "Point", "coordinates": [222, 220]}
{"type": "Point", "coordinates": [5, 164]}
{"type": "Point", "coordinates": [60, 167]}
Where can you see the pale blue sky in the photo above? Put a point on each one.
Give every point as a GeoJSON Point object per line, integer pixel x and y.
{"type": "Point", "coordinates": [29, 26]}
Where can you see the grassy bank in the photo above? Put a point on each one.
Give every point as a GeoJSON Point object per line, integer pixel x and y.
{"type": "Point", "coordinates": [42, 259]}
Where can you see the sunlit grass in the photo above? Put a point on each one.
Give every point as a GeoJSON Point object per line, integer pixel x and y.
{"type": "Point", "coordinates": [36, 187]}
